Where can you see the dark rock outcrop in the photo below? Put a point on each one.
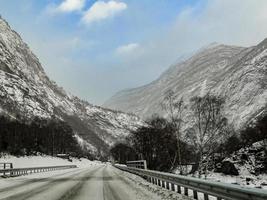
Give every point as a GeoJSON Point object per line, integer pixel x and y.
{"type": "Point", "coordinates": [228, 168]}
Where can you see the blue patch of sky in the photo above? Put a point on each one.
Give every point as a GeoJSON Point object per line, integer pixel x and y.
{"type": "Point", "coordinates": [94, 58]}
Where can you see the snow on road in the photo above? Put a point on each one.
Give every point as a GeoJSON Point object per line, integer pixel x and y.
{"type": "Point", "coordinates": [94, 182]}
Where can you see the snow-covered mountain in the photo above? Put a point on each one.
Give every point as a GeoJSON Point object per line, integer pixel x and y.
{"type": "Point", "coordinates": [26, 91]}
{"type": "Point", "coordinates": [230, 71]}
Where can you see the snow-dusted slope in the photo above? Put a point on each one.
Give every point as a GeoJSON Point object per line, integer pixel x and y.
{"type": "Point", "coordinates": [25, 90]}
{"type": "Point", "coordinates": [230, 71]}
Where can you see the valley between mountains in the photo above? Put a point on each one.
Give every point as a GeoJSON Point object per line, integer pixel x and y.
{"type": "Point", "coordinates": [27, 92]}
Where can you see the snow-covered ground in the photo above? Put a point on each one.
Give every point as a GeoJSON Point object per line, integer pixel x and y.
{"type": "Point", "coordinates": [159, 191]}
{"type": "Point", "coordinates": [243, 179]}
{"type": "Point", "coordinates": [94, 180]}
{"type": "Point", "coordinates": [254, 181]}
{"type": "Point", "coordinates": [259, 181]}
{"type": "Point", "coordinates": [247, 161]}
{"type": "Point", "coordinates": [41, 161]}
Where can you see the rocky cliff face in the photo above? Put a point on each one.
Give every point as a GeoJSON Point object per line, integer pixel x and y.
{"type": "Point", "coordinates": [232, 72]}
{"type": "Point", "coordinates": [25, 90]}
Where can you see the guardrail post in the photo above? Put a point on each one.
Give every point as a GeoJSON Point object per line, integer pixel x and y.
{"type": "Point", "coordinates": [206, 196]}
{"type": "Point", "coordinates": [195, 194]}
{"type": "Point", "coordinates": [186, 191]}
{"type": "Point", "coordinates": [219, 198]}
{"type": "Point", "coordinates": [179, 189]}
{"type": "Point", "coordinates": [145, 164]}
{"type": "Point", "coordinates": [172, 187]}
{"type": "Point", "coordinates": [159, 182]}
{"type": "Point", "coordinates": [4, 168]}
{"type": "Point", "coordinates": [11, 167]}
{"type": "Point", "coordinates": [163, 184]}
{"type": "Point", "coordinates": [168, 185]}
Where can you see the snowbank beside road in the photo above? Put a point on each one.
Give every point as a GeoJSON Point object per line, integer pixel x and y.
{"type": "Point", "coordinates": [160, 192]}
{"type": "Point", "coordinates": [251, 181]}
{"type": "Point", "coordinates": [41, 161]}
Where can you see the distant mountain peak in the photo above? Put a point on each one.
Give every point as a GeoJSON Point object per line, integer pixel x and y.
{"type": "Point", "coordinates": [212, 45]}
{"type": "Point", "coordinates": [226, 70]}
{"type": "Point", "coordinates": [216, 46]}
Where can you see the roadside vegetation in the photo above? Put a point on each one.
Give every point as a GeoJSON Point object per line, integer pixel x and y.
{"type": "Point", "coordinates": [206, 141]}
{"type": "Point", "coordinates": [45, 136]}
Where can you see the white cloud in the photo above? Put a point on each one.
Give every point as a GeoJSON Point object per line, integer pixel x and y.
{"type": "Point", "coordinates": [126, 49]}
{"type": "Point", "coordinates": [101, 10]}
{"type": "Point", "coordinates": [66, 6]}
{"type": "Point", "coordinates": [239, 22]}
{"type": "Point", "coordinates": [71, 5]}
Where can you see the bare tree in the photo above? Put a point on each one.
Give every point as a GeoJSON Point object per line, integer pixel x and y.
{"type": "Point", "coordinates": [208, 127]}
{"type": "Point", "coordinates": [175, 110]}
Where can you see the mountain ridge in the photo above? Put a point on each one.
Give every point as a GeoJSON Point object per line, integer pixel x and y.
{"type": "Point", "coordinates": [224, 70]}
{"type": "Point", "coordinates": [27, 91]}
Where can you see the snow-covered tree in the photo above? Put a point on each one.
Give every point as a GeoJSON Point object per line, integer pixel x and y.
{"type": "Point", "coordinates": [208, 127]}
{"type": "Point", "coordinates": [175, 110]}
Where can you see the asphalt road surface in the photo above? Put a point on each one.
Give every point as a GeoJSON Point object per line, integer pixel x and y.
{"type": "Point", "coordinates": [99, 182]}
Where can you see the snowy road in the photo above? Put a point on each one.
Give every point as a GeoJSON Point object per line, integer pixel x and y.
{"type": "Point", "coordinates": [99, 182]}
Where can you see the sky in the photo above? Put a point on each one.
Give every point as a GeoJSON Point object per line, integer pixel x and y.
{"type": "Point", "coordinates": [96, 48]}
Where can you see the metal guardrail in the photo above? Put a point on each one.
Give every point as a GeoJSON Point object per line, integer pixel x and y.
{"type": "Point", "coordinates": [137, 164]}
{"type": "Point", "coordinates": [208, 188]}
{"type": "Point", "coordinates": [6, 165]}
{"type": "Point", "coordinates": [25, 171]}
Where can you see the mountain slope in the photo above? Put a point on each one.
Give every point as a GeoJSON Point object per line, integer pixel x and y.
{"type": "Point", "coordinates": [230, 71]}
{"type": "Point", "coordinates": [26, 91]}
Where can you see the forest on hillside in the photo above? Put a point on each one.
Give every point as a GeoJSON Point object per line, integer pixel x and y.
{"type": "Point", "coordinates": [205, 143]}
{"type": "Point", "coordinates": [45, 136]}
